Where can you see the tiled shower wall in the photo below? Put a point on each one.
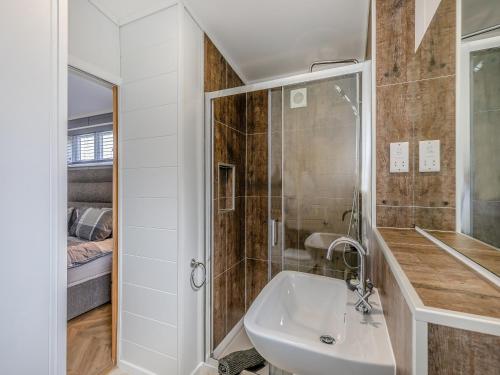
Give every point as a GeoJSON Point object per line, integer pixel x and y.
{"type": "Point", "coordinates": [415, 102]}
{"type": "Point", "coordinates": [228, 253]}
{"type": "Point", "coordinates": [229, 222]}
{"type": "Point", "coordinates": [257, 200]}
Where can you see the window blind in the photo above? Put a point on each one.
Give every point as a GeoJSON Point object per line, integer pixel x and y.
{"type": "Point", "coordinates": [86, 147]}
{"type": "Point", "coordinates": [90, 148]}
{"type": "Point", "coordinates": [107, 145]}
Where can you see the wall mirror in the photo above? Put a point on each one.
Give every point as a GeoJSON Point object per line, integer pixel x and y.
{"type": "Point", "coordinates": [478, 137]}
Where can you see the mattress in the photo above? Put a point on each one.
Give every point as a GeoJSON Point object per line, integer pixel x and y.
{"type": "Point", "coordinates": [90, 270]}
{"type": "Point", "coordinates": [88, 260]}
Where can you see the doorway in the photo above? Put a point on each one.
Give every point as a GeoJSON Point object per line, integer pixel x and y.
{"type": "Point", "coordinates": [92, 209]}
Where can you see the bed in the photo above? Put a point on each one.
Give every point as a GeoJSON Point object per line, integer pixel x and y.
{"type": "Point", "coordinates": [89, 274]}
{"type": "Point", "coordinates": [89, 262]}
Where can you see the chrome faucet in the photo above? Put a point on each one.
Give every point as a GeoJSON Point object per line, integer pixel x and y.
{"type": "Point", "coordinates": [364, 289]}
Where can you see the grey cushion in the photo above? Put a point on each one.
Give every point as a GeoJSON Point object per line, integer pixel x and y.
{"type": "Point", "coordinates": [92, 224]}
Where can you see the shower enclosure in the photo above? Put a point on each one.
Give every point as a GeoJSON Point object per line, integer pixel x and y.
{"type": "Point", "coordinates": [288, 171]}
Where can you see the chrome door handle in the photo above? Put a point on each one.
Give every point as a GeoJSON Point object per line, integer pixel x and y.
{"type": "Point", "coordinates": [194, 265]}
{"type": "Point", "coordinates": [274, 232]}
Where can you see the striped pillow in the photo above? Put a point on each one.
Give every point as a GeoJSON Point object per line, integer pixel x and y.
{"type": "Point", "coordinates": [70, 217]}
{"type": "Point", "coordinates": [92, 224]}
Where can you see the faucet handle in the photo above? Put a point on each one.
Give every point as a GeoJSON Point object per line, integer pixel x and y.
{"type": "Point", "coordinates": [369, 285]}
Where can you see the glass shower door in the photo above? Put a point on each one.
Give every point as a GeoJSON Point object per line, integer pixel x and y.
{"type": "Point", "coordinates": [283, 181]}
{"type": "Point", "coordinates": [315, 175]}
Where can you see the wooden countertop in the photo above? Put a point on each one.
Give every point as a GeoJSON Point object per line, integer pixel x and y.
{"type": "Point", "coordinates": [481, 253]}
{"type": "Point", "coordinates": [441, 280]}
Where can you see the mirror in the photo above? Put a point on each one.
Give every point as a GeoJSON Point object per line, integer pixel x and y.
{"type": "Point", "coordinates": [480, 18]}
{"type": "Point", "coordinates": [479, 252]}
{"type": "Point", "coordinates": [478, 137]}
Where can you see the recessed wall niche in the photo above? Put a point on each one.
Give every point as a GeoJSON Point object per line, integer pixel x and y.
{"type": "Point", "coordinates": [226, 187]}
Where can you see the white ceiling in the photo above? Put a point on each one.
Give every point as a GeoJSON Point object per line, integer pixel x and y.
{"type": "Point", "coordinates": [272, 38]}
{"type": "Point", "coordinates": [124, 11]}
{"type": "Point", "coordinates": [87, 96]}
{"type": "Point", "coordinates": [265, 39]}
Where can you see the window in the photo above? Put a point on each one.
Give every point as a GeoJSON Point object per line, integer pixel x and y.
{"type": "Point", "coordinates": [107, 145]}
{"type": "Point", "coordinates": [69, 150]}
{"type": "Point", "coordinates": [86, 147]}
{"type": "Point", "coordinates": [90, 148]}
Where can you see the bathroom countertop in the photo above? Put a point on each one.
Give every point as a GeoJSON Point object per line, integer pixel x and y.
{"type": "Point", "coordinates": [440, 280]}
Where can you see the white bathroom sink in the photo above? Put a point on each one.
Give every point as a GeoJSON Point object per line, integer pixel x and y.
{"type": "Point", "coordinates": [292, 312]}
{"type": "Point", "coordinates": [320, 241]}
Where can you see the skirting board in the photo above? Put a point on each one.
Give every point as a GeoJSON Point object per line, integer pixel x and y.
{"type": "Point", "coordinates": [131, 369]}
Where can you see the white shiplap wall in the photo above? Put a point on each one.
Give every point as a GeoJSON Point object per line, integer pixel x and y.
{"type": "Point", "coordinates": [32, 190]}
{"type": "Point", "coordinates": [149, 170]}
{"type": "Point", "coordinates": [94, 41]}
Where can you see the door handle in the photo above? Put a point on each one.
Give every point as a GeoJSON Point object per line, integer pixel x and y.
{"type": "Point", "coordinates": [274, 232]}
{"type": "Point", "coordinates": [195, 265]}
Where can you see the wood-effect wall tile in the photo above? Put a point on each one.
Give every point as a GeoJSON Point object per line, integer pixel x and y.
{"type": "Point", "coordinates": [215, 67]}
{"type": "Point", "coordinates": [397, 60]}
{"type": "Point", "coordinates": [232, 78]}
{"type": "Point", "coordinates": [257, 228]}
{"type": "Point", "coordinates": [257, 112]}
{"type": "Point", "coordinates": [219, 309]}
{"type": "Point", "coordinates": [454, 351]}
{"type": "Point", "coordinates": [257, 165]}
{"type": "Point", "coordinates": [235, 233]}
{"type": "Point", "coordinates": [235, 294]}
{"type": "Point", "coordinates": [435, 218]}
{"type": "Point", "coordinates": [395, 217]}
{"type": "Point", "coordinates": [219, 241]}
{"type": "Point", "coordinates": [257, 278]}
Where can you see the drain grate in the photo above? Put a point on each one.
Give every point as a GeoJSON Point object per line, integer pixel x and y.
{"type": "Point", "coordinates": [327, 339]}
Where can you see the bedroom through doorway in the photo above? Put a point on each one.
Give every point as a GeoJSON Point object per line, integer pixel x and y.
{"type": "Point", "coordinates": [92, 263]}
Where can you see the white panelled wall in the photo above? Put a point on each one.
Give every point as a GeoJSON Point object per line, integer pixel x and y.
{"type": "Point", "coordinates": [33, 187]}
{"type": "Point", "coordinates": [94, 41]}
{"type": "Point", "coordinates": [161, 191]}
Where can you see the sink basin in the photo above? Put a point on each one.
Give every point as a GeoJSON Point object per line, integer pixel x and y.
{"type": "Point", "coordinates": [320, 241]}
{"type": "Point", "coordinates": [292, 312]}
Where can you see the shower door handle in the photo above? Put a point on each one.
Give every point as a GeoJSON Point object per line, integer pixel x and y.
{"type": "Point", "coordinates": [274, 232]}
{"type": "Point", "coordinates": [195, 265]}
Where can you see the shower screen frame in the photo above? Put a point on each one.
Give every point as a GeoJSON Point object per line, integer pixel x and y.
{"type": "Point", "coordinates": [366, 181]}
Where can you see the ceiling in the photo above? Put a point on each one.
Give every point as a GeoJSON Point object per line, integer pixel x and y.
{"type": "Point", "coordinates": [87, 97]}
{"type": "Point", "coordinates": [124, 11]}
{"type": "Point", "coordinates": [265, 39]}
{"type": "Point", "coordinates": [479, 14]}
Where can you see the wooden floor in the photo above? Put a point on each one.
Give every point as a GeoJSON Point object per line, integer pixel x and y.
{"type": "Point", "coordinates": [89, 343]}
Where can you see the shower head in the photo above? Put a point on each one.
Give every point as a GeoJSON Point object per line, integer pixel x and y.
{"type": "Point", "coordinates": [344, 96]}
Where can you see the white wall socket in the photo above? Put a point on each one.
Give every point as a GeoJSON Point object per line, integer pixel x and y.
{"type": "Point", "coordinates": [399, 157]}
{"type": "Point", "coordinates": [429, 156]}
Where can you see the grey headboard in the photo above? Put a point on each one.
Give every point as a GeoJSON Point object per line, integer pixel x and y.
{"type": "Point", "coordinates": [90, 186]}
